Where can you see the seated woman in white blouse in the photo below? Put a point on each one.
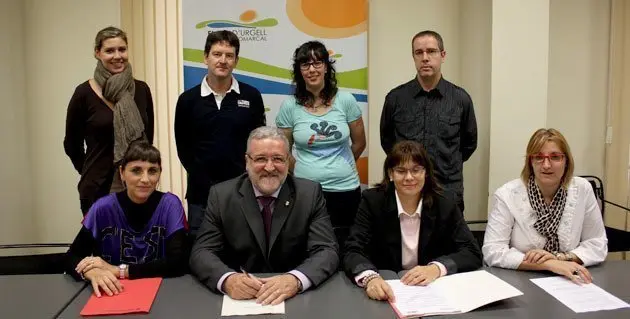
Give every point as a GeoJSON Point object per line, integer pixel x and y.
{"type": "Point", "coordinates": [548, 219]}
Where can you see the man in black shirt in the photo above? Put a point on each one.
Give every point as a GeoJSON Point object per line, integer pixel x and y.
{"type": "Point", "coordinates": [434, 112]}
{"type": "Point", "coordinates": [212, 123]}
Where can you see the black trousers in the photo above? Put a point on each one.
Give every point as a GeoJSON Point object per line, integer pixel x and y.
{"type": "Point", "coordinates": [342, 208]}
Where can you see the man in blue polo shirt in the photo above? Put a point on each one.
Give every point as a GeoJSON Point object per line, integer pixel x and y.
{"type": "Point", "coordinates": [212, 123]}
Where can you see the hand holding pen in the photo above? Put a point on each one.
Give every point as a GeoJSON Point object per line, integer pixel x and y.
{"type": "Point", "coordinates": [251, 276]}
{"type": "Point", "coordinates": [242, 286]}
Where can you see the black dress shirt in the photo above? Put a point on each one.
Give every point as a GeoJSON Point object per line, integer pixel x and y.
{"type": "Point", "coordinates": [443, 120]}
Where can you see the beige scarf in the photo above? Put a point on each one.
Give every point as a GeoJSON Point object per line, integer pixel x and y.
{"type": "Point", "coordinates": [120, 89]}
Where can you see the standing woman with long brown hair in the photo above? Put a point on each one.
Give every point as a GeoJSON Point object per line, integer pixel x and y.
{"type": "Point", "coordinates": [105, 114]}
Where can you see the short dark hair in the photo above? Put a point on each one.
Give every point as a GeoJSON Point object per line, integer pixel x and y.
{"type": "Point", "coordinates": [406, 151]}
{"type": "Point", "coordinates": [222, 36]}
{"type": "Point", "coordinates": [429, 33]}
{"type": "Point", "coordinates": [141, 150]}
{"type": "Point", "coordinates": [315, 51]}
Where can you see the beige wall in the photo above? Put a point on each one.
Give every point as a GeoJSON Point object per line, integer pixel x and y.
{"type": "Point", "coordinates": [520, 50]}
{"type": "Point", "coordinates": [59, 37]}
{"type": "Point", "coordinates": [16, 209]}
{"type": "Point", "coordinates": [476, 71]}
{"type": "Point", "coordinates": [618, 151]}
{"type": "Point", "coordinates": [579, 32]}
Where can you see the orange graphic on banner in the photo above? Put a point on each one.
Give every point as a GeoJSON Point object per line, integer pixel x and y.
{"type": "Point", "coordinates": [330, 19]}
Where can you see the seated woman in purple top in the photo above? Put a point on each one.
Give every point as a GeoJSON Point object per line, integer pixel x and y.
{"type": "Point", "coordinates": [137, 233]}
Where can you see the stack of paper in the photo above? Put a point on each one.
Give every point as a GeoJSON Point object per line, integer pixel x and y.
{"type": "Point", "coordinates": [137, 297]}
{"type": "Point", "coordinates": [580, 298]}
{"type": "Point", "coordinates": [450, 294]}
{"type": "Point", "coordinates": [232, 307]}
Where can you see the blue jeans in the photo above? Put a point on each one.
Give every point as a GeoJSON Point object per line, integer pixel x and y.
{"type": "Point", "coordinates": [195, 216]}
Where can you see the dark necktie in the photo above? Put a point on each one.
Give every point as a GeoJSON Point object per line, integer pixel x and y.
{"type": "Point", "coordinates": [266, 202]}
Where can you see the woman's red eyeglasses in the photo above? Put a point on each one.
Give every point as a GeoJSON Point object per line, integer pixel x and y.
{"type": "Point", "coordinates": [553, 157]}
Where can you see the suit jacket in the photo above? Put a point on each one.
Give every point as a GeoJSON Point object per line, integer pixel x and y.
{"type": "Point", "coordinates": [375, 241]}
{"type": "Point", "coordinates": [232, 234]}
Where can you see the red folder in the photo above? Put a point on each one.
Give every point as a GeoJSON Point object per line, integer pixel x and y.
{"type": "Point", "coordinates": [137, 297]}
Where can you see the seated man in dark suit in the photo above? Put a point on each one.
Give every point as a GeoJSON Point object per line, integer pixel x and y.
{"type": "Point", "coordinates": [265, 222]}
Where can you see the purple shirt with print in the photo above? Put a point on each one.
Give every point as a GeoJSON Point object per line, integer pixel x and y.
{"type": "Point", "coordinates": [120, 244]}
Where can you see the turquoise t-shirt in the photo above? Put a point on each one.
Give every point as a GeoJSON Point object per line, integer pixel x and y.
{"type": "Point", "coordinates": [322, 142]}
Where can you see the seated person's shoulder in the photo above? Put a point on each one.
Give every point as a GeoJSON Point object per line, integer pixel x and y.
{"type": "Point", "coordinates": [443, 203]}
{"type": "Point", "coordinates": [228, 185]}
{"type": "Point", "coordinates": [104, 203]}
{"type": "Point", "coordinates": [374, 194]}
{"type": "Point", "coordinates": [303, 184]}
{"type": "Point", "coordinates": [171, 199]}
{"type": "Point", "coordinates": [580, 182]}
{"type": "Point", "coordinates": [102, 211]}
{"type": "Point", "coordinates": [515, 186]}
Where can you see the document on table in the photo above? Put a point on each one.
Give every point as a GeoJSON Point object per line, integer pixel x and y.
{"type": "Point", "coordinates": [137, 297]}
{"type": "Point", "coordinates": [450, 294]}
{"type": "Point", "coordinates": [579, 298]}
{"type": "Point", "coordinates": [232, 307]}
{"type": "Point", "coordinates": [419, 301]}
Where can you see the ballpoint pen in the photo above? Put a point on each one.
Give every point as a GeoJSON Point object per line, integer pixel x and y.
{"type": "Point", "coordinates": [249, 275]}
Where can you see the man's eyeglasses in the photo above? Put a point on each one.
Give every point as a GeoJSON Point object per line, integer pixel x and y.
{"type": "Point", "coordinates": [415, 171]}
{"type": "Point", "coordinates": [263, 160]}
{"type": "Point", "coordinates": [553, 157]}
{"type": "Point", "coordinates": [307, 65]}
{"type": "Point", "coordinates": [430, 52]}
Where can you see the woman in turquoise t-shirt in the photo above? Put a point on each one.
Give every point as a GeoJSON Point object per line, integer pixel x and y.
{"type": "Point", "coordinates": [326, 128]}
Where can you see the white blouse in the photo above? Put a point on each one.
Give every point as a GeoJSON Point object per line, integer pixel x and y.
{"type": "Point", "coordinates": [510, 232]}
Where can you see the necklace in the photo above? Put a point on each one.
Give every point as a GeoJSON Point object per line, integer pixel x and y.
{"type": "Point", "coordinates": [315, 106]}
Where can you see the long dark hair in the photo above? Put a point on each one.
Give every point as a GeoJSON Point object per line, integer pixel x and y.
{"type": "Point", "coordinates": [411, 151]}
{"type": "Point", "coordinates": [315, 51]}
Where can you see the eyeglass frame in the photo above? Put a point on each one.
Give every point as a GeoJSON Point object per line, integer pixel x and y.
{"type": "Point", "coordinates": [542, 157]}
{"type": "Point", "coordinates": [273, 159]}
{"type": "Point", "coordinates": [305, 66]}
{"type": "Point", "coordinates": [400, 171]}
{"type": "Point", "coordinates": [434, 53]}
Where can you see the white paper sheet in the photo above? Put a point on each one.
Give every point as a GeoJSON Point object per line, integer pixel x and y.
{"type": "Point", "coordinates": [418, 300]}
{"type": "Point", "coordinates": [579, 298]}
{"type": "Point", "coordinates": [458, 288]}
{"type": "Point", "coordinates": [451, 294]}
{"type": "Point", "coordinates": [233, 307]}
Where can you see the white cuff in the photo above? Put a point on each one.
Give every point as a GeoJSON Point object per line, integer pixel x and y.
{"type": "Point", "coordinates": [306, 283]}
{"type": "Point", "coordinates": [222, 279]}
{"type": "Point", "coordinates": [359, 278]}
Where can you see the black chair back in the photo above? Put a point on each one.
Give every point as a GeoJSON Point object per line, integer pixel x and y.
{"type": "Point", "coordinates": [618, 239]}
{"type": "Point", "coordinates": [51, 263]}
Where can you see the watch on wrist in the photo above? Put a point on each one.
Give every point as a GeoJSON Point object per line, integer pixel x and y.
{"type": "Point", "coordinates": [121, 270]}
